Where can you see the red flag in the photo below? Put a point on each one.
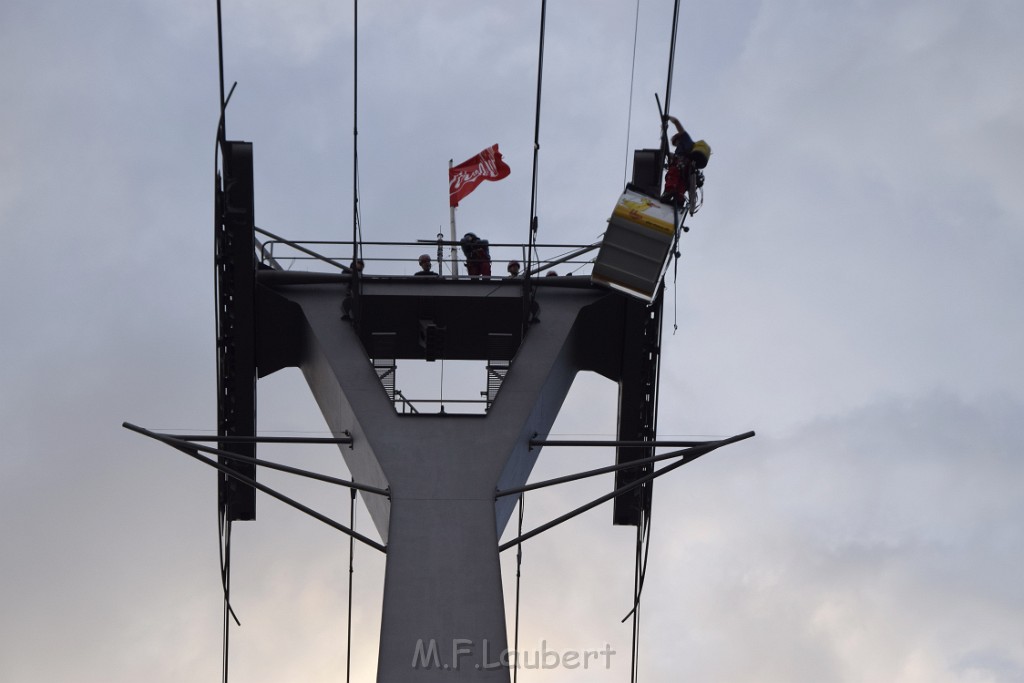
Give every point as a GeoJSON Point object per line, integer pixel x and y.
{"type": "Point", "coordinates": [463, 179]}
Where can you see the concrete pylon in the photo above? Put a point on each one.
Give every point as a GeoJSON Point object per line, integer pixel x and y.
{"type": "Point", "coordinates": [443, 615]}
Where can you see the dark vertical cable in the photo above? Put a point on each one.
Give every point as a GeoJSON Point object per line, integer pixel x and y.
{"type": "Point", "coordinates": [636, 598]}
{"type": "Point", "coordinates": [223, 543]}
{"type": "Point", "coordinates": [220, 62]}
{"type": "Point", "coordinates": [530, 293]}
{"type": "Point", "coordinates": [519, 565]}
{"type": "Point", "coordinates": [536, 141]}
{"type": "Point", "coordinates": [226, 583]}
{"type": "Point", "coordinates": [355, 130]}
{"type": "Point", "coordinates": [632, 76]}
{"type": "Point", "coordinates": [671, 58]}
{"type": "Point", "coordinates": [351, 571]}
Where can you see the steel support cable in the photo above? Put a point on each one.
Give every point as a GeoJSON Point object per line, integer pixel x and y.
{"type": "Point", "coordinates": [224, 547]}
{"type": "Point", "coordinates": [224, 524]}
{"type": "Point", "coordinates": [192, 450]}
{"type": "Point", "coordinates": [643, 547]}
{"type": "Point", "coordinates": [536, 130]}
{"type": "Point", "coordinates": [690, 456]}
{"type": "Point", "coordinates": [664, 128]}
{"type": "Point", "coordinates": [220, 64]}
{"type": "Point", "coordinates": [225, 580]}
{"type": "Point", "coordinates": [641, 567]}
{"type": "Point", "coordinates": [532, 242]}
{"type": "Point", "coordinates": [519, 565]}
{"type": "Point", "coordinates": [359, 215]}
{"type": "Point", "coordinates": [351, 572]}
{"type": "Point", "coordinates": [671, 56]}
{"type": "Point", "coordinates": [355, 130]}
{"type": "Point", "coordinates": [636, 592]}
{"type": "Point", "coordinates": [691, 453]}
{"type": "Point", "coordinates": [632, 77]}
{"type": "Point", "coordinates": [173, 440]}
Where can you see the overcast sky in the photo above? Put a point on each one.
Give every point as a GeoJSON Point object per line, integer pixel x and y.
{"type": "Point", "coordinates": [851, 290]}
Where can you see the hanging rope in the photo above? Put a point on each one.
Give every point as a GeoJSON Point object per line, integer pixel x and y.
{"type": "Point", "coordinates": [351, 571]}
{"type": "Point", "coordinates": [675, 293]}
{"type": "Point", "coordinates": [519, 564]}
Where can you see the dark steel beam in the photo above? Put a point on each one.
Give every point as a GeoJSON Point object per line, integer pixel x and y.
{"type": "Point", "coordinates": [235, 265]}
{"type": "Point", "coordinates": [617, 443]}
{"type": "Point", "coordinates": [263, 439]}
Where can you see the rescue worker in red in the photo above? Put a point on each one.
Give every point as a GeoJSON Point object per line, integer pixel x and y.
{"type": "Point", "coordinates": [686, 156]}
{"type": "Point", "coordinates": [478, 255]}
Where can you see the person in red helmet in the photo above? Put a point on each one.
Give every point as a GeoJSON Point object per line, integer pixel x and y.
{"type": "Point", "coordinates": [478, 255]}
{"type": "Point", "coordinates": [686, 157]}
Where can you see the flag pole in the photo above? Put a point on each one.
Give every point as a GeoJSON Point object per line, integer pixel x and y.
{"type": "Point", "coordinates": [451, 210]}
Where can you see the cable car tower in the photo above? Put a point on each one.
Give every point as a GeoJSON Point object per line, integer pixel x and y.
{"type": "Point", "coordinates": [440, 487]}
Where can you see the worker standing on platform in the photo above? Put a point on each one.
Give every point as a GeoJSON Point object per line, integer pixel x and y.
{"type": "Point", "coordinates": [425, 270]}
{"type": "Point", "coordinates": [478, 255]}
{"type": "Point", "coordinates": [686, 157]}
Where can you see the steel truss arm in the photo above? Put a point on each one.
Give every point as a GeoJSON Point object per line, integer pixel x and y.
{"type": "Point", "coordinates": [193, 450]}
{"type": "Point", "coordinates": [263, 439]}
{"type": "Point", "coordinates": [702, 446]}
{"type": "Point", "coordinates": [686, 456]}
{"type": "Point", "coordinates": [617, 443]}
{"type": "Point", "coordinates": [185, 440]}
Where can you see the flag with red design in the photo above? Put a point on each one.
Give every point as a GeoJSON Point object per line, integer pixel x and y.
{"type": "Point", "coordinates": [463, 179]}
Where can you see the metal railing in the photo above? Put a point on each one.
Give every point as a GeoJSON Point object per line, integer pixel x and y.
{"type": "Point", "coordinates": [398, 259]}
